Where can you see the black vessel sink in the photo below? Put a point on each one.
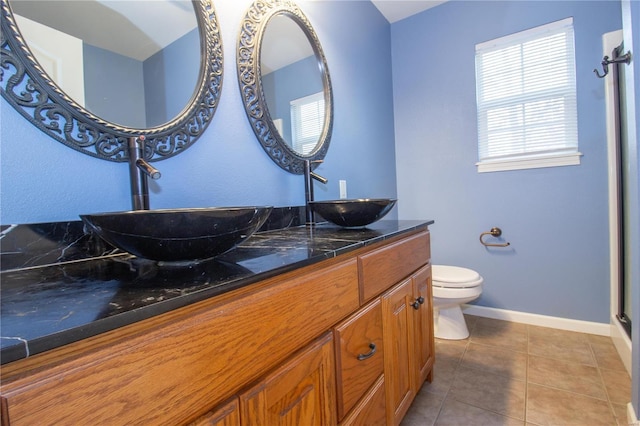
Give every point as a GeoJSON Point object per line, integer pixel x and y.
{"type": "Point", "coordinates": [353, 213]}
{"type": "Point", "coordinates": [178, 234]}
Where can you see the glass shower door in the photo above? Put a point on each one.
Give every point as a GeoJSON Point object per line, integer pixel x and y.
{"type": "Point", "coordinates": [624, 215]}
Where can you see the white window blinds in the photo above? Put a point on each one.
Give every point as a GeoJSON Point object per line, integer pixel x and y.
{"type": "Point", "coordinates": [526, 98]}
{"type": "Point", "coordinates": [307, 121]}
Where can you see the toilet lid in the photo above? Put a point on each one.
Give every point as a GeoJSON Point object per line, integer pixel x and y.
{"type": "Point", "coordinates": [454, 274]}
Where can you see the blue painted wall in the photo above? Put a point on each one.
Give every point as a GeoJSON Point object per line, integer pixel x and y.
{"type": "Point", "coordinates": [555, 218]}
{"type": "Point", "coordinates": [43, 181]}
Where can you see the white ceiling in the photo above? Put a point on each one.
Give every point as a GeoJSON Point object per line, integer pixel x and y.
{"type": "Point", "coordinates": [396, 10]}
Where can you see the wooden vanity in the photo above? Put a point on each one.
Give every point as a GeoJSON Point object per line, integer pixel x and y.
{"type": "Point", "coordinates": [347, 340]}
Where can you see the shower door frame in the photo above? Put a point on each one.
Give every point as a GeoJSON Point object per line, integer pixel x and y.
{"type": "Point", "coordinates": [619, 334]}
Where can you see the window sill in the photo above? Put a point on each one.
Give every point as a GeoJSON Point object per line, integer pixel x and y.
{"type": "Point", "coordinates": [572, 159]}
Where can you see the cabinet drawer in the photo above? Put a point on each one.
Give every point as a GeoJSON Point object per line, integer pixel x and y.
{"type": "Point", "coordinates": [358, 363]}
{"type": "Point", "coordinates": [371, 410]}
{"type": "Point", "coordinates": [382, 268]}
{"type": "Point", "coordinates": [176, 371]}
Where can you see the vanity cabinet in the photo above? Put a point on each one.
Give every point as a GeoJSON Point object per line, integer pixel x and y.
{"type": "Point", "coordinates": [296, 348]}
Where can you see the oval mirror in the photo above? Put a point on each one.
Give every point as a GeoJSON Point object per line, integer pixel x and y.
{"type": "Point", "coordinates": [91, 73]}
{"type": "Point", "coordinates": [285, 84]}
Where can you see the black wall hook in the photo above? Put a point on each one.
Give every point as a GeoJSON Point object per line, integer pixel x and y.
{"type": "Point", "coordinates": [626, 58]}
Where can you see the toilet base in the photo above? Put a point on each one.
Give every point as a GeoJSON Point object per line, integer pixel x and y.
{"type": "Point", "coordinates": [449, 324]}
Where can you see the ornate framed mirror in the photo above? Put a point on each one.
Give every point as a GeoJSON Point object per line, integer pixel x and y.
{"type": "Point", "coordinates": [285, 84]}
{"type": "Point", "coordinates": [169, 90]}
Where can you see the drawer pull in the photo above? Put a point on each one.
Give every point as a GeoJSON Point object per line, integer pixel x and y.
{"type": "Point", "coordinates": [419, 301]}
{"type": "Point", "coordinates": [362, 357]}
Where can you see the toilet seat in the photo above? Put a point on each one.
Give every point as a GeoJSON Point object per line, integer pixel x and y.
{"type": "Point", "coordinates": [455, 277]}
{"type": "Point", "coordinates": [456, 292]}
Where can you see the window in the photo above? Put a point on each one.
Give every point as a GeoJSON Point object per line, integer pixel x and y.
{"type": "Point", "coordinates": [307, 122]}
{"type": "Point", "coordinates": [526, 98]}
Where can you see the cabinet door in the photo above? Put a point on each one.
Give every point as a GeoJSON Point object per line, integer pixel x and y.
{"type": "Point", "coordinates": [371, 409]}
{"type": "Point", "coordinates": [399, 366]}
{"type": "Point", "coordinates": [423, 326]}
{"type": "Point", "coordinates": [226, 415]}
{"type": "Point", "coordinates": [300, 392]}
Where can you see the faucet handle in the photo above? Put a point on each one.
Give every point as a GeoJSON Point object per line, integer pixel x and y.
{"type": "Point", "coordinates": [319, 178]}
{"type": "Point", "coordinates": [310, 162]}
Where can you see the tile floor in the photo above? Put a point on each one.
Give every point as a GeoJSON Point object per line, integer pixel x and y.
{"type": "Point", "coordinates": [517, 374]}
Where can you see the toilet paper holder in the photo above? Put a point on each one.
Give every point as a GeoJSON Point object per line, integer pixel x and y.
{"type": "Point", "coordinates": [494, 232]}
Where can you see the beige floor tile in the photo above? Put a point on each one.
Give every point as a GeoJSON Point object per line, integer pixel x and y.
{"type": "Point", "coordinates": [424, 409]}
{"type": "Point", "coordinates": [606, 355]}
{"type": "Point", "coordinates": [569, 376]}
{"type": "Point", "coordinates": [450, 349]}
{"type": "Point", "coordinates": [594, 338]}
{"type": "Point", "coordinates": [620, 412]}
{"type": "Point", "coordinates": [560, 344]}
{"type": "Point", "coordinates": [618, 385]}
{"type": "Point", "coordinates": [471, 321]}
{"type": "Point", "coordinates": [500, 334]}
{"type": "Point", "coordinates": [556, 334]}
{"type": "Point", "coordinates": [443, 374]}
{"type": "Point", "coordinates": [456, 413]}
{"type": "Point", "coordinates": [489, 391]}
{"type": "Point", "coordinates": [507, 373]}
{"type": "Point", "coordinates": [495, 360]}
{"type": "Point", "coordinates": [499, 324]}
{"type": "Point", "coordinates": [547, 406]}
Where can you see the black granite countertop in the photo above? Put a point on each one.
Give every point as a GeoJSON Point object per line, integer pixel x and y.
{"type": "Point", "coordinates": [47, 305]}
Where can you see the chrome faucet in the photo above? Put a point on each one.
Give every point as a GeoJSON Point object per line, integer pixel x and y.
{"type": "Point", "coordinates": [139, 170]}
{"type": "Point", "coordinates": [309, 175]}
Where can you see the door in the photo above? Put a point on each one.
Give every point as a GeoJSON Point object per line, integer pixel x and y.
{"type": "Point", "coordinates": [624, 214]}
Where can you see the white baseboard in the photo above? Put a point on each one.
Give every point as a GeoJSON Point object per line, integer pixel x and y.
{"type": "Point", "coordinates": [600, 329]}
{"type": "Point", "coordinates": [632, 419]}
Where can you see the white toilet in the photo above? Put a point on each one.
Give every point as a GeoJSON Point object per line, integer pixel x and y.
{"type": "Point", "coordinates": [453, 286]}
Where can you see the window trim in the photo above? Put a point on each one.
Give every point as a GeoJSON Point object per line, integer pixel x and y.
{"type": "Point", "coordinates": [562, 157]}
{"type": "Point", "coordinates": [530, 162]}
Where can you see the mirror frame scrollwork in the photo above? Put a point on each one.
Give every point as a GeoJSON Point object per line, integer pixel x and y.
{"type": "Point", "coordinates": [252, 31]}
{"type": "Point", "coordinates": [28, 88]}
